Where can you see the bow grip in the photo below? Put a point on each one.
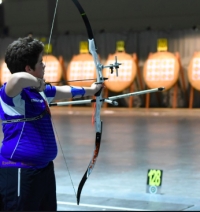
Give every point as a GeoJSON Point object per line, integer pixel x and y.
{"type": "Point", "coordinates": [98, 92]}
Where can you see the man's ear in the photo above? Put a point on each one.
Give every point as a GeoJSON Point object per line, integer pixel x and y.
{"type": "Point", "coordinates": [28, 69]}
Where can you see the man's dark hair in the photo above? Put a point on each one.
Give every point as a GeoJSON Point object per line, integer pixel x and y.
{"type": "Point", "coordinates": [23, 52]}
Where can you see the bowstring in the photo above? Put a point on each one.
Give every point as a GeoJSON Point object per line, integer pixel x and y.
{"type": "Point", "coordinates": [63, 156]}
{"type": "Point", "coordinates": [50, 35]}
{"type": "Point", "coordinates": [51, 30]}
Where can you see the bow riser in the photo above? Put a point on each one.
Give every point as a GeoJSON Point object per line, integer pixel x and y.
{"type": "Point", "coordinates": [92, 50]}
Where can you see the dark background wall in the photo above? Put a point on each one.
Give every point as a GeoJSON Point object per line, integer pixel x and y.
{"type": "Point", "coordinates": [23, 16]}
{"type": "Point", "coordinates": [140, 23]}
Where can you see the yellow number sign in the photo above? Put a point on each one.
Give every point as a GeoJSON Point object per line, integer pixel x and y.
{"type": "Point", "coordinates": [154, 177]}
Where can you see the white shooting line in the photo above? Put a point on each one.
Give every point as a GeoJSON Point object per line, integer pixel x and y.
{"type": "Point", "coordinates": [101, 206]}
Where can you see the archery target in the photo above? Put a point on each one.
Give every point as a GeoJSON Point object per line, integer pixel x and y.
{"type": "Point", "coordinates": [126, 72]}
{"type": "Point", "coordinates": [81, 67]}
{"type": "Point", "coordinates": [161, 70]}
{"type": "Point", "coordinates": [53, 69]}
{"type": "Point", "coordinates": [5, 73]}
{"type": "Point", "coordinates": [194, 71]}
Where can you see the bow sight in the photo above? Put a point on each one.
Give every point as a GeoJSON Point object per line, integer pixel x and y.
{"type": "Point", "coordinates": [114, 65]}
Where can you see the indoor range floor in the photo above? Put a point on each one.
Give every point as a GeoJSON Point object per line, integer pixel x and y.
{"type": "Point", "coordinates": [134, 140]}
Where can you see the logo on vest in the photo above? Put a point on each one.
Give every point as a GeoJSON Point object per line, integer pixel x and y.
{"type": "Point", "coordinates": [37, 100]}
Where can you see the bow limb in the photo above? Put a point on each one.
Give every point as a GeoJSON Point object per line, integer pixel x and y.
{"type": "Point", "coordinates": [100, 79]}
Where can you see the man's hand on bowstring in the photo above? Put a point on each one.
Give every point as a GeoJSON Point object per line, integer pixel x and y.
{"type": "Point", "coordinates": [41, 85]}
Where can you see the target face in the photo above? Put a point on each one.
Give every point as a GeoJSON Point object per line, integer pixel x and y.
{"type": "Point", "coordinates": [161, 70]}
{"type": "Point", "coordinates": [5, 73]}
{"type": "Point", "coordinates": [53, 69]}
{"type": "Point", "coordinates": [81, 67]}
{"type": "Point", "coordinates": [194, 71]}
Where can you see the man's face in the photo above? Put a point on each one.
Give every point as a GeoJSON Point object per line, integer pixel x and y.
{"type": "Point", "coordinates": [39, 68]}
